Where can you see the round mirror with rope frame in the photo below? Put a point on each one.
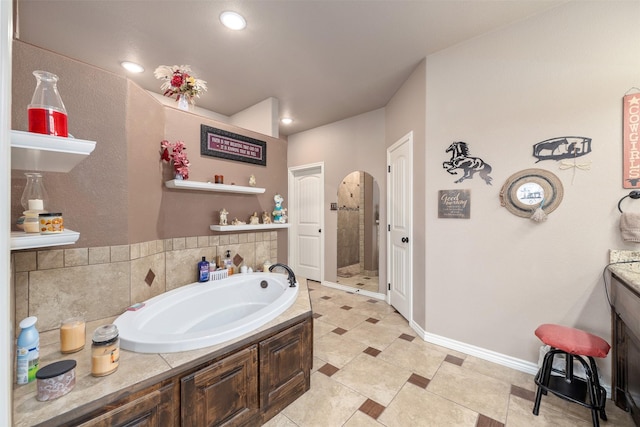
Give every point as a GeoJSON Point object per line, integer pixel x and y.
{"type": "Point", "coordinates": [530, 189]}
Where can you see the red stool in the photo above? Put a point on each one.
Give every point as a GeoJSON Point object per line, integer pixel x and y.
{"type": "Point", "coordinates": [578, 345]}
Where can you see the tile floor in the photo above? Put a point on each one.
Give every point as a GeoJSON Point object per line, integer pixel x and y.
{"type": "Point", "coordinates": [351, 276]}
{"type": "Point", "coordinates": [371, 369]}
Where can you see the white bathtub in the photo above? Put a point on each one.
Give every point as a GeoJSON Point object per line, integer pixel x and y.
{"type": "Point", "coordinates": [203, 314]}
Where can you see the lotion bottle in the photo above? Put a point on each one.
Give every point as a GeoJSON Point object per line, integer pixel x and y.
{"type": "Point", "coordinates": [203, 270]}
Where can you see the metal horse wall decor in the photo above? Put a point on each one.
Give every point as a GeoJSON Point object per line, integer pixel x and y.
{"type": "Point", "coordinates": [564, 147]}
{"type": "Point", "coordinates": [460, 159]}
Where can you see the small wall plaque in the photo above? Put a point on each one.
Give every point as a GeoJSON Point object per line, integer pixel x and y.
{"type": "Point", "coordinates": [454, 204]}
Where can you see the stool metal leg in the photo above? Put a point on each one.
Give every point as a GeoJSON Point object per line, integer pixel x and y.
{"type": "Point", "coordinates": [542, 379]}
{"type": "Point", "coordinates": [595, 393]}
{"type": "Point", "coordinates": [600, 391]}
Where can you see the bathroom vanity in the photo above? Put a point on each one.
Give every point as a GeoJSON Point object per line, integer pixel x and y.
{"type": "Point", "coordinates": [241, 382]}
{"type": "Point", "coordinates": [625, 315]}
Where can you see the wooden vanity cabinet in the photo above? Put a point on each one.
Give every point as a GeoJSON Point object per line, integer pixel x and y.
{"type": "Point", "coordinates": [244, 388]}
{"type": "Point", "coordinates": [285, 366]}
{"type": "Point", "coordinates": [153, 408]}
{"type": "Point", "coordinates": [625, 317]}
{"type": "Point", "coordinates": [225, 392]}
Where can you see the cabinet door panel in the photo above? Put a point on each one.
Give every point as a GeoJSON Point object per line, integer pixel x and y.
{"type": "Point", "coordinates": [225, 393]}
{"type": "Point", "coordinates": [285, 365]}
{"type": "Point", "coordinates": [152, 410]}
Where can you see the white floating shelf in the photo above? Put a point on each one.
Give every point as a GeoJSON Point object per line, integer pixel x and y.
{"type": "Point", "coordinates": [39, 152]}
{"type": "Point", "coordinates": [179, 184]}
{"type": "Point", "coordinates": [22, 240]}
{"type": "Point", "coordinates": [247, 227]}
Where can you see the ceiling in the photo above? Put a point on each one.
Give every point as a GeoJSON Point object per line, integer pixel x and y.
{"type": "Point", "coordinates": [324, 60]}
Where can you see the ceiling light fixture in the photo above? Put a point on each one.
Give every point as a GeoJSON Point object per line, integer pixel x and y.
{"type": "Point", "coordinates": [233, 20]}
{"type": "Point", "coordinates": [132, 66]}
{"type": "Point", "coordinates": [286, 121]}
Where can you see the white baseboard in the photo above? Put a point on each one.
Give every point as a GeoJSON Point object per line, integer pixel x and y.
{"type": "Point", "coordinates": [472, 350]}
{"type": "Point", "coordinates": [351, 289]}
{"type": "Point", "coordinates": [482, 353]}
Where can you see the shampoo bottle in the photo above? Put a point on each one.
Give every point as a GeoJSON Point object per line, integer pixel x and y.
{"type": "Point", "coordinates": [203, 270]}
{"type": "Point", "coordinates": [28, 350]}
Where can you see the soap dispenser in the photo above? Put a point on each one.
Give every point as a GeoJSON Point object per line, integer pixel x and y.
{"type": "Point", "coordinates": [228, 262]}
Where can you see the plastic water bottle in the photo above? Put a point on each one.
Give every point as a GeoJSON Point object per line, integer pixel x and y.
{"type": "Point", "coordinates": [28, 351]}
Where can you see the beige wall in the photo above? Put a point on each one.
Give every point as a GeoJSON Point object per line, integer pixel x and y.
{"type": "Point", "coordinates": [93, 196]}
{"type": "Point", "coordinates": [117, 195]}
{"type": "Point", "coordinates": [489, 281]}
{"type": "Point", "coordinates": [405, 113]}
{"type": "Point", "coordinates": [349, 145]}
{"type": "Point", "coordinates": [145, 128]}
{"type": "Point", "coordinates": [492, 279]}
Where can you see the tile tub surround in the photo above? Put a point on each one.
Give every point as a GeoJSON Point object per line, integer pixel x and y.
{"type": "Point", "coordinates": [135, 369]}
{"type": "Point", "coordinates": [100, 282]}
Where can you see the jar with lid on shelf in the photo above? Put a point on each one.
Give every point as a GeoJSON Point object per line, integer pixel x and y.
{"type": "Point", "coordinates": [31, 222]}
{"type": "Point", "coordinates": [47, 113]}
{"type": "Point", "coordinates": [51, 223]}
{"type": "Point", "coordinates": [105, 351]}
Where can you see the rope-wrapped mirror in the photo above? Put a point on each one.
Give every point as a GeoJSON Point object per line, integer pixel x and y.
{"type": "Point", "coordinates": [524, 192]}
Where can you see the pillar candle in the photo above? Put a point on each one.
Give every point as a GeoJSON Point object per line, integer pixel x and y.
{"type": "Point", "coordinates": [36, 205]}
{"type": "Point", "coordinates": [72, 335]}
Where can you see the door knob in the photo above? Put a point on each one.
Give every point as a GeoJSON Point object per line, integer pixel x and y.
{"type": "Point", "coordinates": [405, 240]}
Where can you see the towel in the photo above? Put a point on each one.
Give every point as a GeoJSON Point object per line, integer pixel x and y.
{"type": "Point", "coordinates": [630, 226]}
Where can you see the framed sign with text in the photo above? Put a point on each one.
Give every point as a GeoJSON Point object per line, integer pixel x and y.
{"type": "Point", "coordinates": [231, 146]}
{"type": "Point", "coordinates": [454, 204]}
{"type": "Point", "coordinates": [630, 141]}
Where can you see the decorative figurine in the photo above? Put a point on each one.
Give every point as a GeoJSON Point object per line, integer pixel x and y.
{"type": "Point", "coordinates": [266, 219]}
{"type": "Point", "coordinates": [236, 221]}
{"type": "Point", "coordinates": [223, 216]}
{"type": "Point", "coordinates": [253, 219]}
{"type": "Point", "coordinates": [252, 181]}
{"type": "Point", "coordinates": [279, 213]}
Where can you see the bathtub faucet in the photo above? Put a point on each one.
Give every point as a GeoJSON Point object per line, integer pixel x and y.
{"type": "Point", "coordinates": [292, 277]}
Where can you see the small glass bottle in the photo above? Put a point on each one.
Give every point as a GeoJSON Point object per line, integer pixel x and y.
{"type": "Point", "coordinates": [47, 113]}
{"type": "Point", "coordinates": [105, 351]}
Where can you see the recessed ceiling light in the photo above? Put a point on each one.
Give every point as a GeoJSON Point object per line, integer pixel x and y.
{"type": "Point", "coordinates": [132, 66]}
{"type": "Point", "coordinates": [286, 121]}
{"type": "Point", "coordinates": [233, 20]}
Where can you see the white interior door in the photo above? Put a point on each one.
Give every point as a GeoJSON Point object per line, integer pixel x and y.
{"type": "Point", "coordinates": [400, 221]}
{"type": "Point", "coordinates": [306, 240]}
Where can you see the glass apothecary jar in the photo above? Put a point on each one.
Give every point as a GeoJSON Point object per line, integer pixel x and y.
{"type": "Point", "coordinates": [47, 113]}
{"type": "Point", "coordinates": [34, 197]}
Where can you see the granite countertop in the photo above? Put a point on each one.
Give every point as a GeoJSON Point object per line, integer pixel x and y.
{"type": "Point", "coordinates": [626, 265]}
{"type": "Point", "coordinates": [133, 368]}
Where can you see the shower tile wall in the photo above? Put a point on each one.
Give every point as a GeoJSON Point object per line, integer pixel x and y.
{"type": "Point", "coordinates": [349, 221]}
{"type": "Point", "coordinates": [101, 282]}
